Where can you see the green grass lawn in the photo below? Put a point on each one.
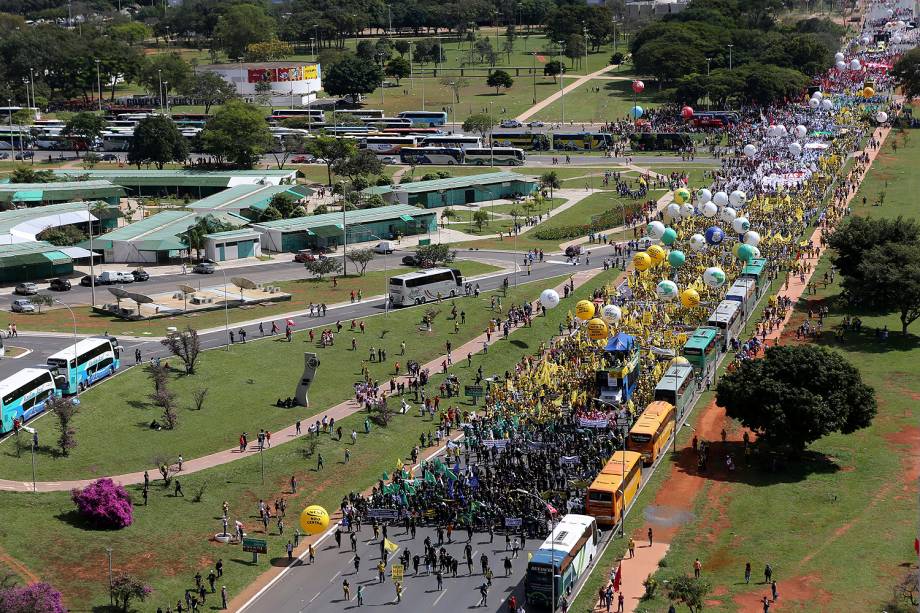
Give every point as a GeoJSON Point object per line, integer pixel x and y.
{"type": "Point", "coordinates": [303, 291]}
{"type": "Point", "coordinates": [850, 493]}
{"type": "Point", "coordinates": [611, 103]}
{"type": "Point", "coordinates": [697, 174]}
{"type": "Point", "coordinates": [169, 542]}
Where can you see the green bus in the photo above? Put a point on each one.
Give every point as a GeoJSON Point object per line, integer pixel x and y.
{"type": "Point", "coordinates": [659, 141]}
{"type": "Point", "coordinates": [528, 141]}
{"type": "Point", "coordinates": [756, 269]}
{"type": "Point", "coordinates": [702, 348]}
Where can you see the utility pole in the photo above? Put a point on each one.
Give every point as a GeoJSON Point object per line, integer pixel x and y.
{"type": "Point", "coordinates": [108, 553]}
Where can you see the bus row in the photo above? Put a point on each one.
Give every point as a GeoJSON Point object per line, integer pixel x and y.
{"type": "Point", "coordinates": [24, 394]}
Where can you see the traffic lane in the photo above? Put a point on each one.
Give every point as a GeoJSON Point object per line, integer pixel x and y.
{"type": "Point", "coordinates": [318, 587]}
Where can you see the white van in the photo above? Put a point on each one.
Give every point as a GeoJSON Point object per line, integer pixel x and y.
{"type": "Point", "coordinates": [385, 247]}
{"type": "Point", "coordinates": [111, 277]}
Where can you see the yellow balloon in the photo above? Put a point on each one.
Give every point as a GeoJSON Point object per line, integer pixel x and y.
{"type": "Point", "coordinates": [597, 329]}
{"type": "Point", "coordinates": [314, 519]}
{"type": "Point", "coordinates": [642, 261]}
{"type": "Point", "coordinates": [868, 92]}
{"type": "Point", "coordinates": [678, 360]}
{"type": "Point", "coordinates": [657, 253]}
{"type": "Point", "coordinates": [584, 310]}
{"type": "Point", "coordinates": [690, 298]}
{"type": "Point", "coordinates": [682, 195]}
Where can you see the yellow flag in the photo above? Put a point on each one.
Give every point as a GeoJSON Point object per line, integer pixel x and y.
{"type": "Point", "coordinates": [399, 464]}
{"type": "Point", "coordinates": [390, 545]}
{"type": "Point", "coordinates": [529, 556]}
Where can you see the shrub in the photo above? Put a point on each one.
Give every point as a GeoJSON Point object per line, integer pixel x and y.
{"type": "Point", "coordinates": [104, 504]}
{"type": "Point", "coordinates": [35, 598]}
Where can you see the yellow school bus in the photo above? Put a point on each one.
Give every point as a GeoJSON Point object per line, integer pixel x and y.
{"type": "Point", "coordinates": [652, 430]}
{"type": "Point", "coordinates": [615, 487]}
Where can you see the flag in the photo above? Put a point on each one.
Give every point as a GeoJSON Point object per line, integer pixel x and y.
{"type": "Point", "coordinates": [529, 556]}
{"type": "Point", "coordinates": [917, 545]}
{"type": "Point", "coordinates": [384, 477]}
{"type": "Point", "coordinates": [618, 578]}
{"type": "Point", "coordinates": [429, 477]}
{"type": "Point", "coordinates": [399, 463]}
{"type": "Point", "coordinates": [390, 545]}
{"type": "Point", "coordinates": [552, 510]}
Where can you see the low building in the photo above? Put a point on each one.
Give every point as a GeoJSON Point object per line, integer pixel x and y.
{"type": "Point", "coordinates": [457, 190]}
{"type": "Point", "coordinates": [38, 194]}
{"type": "Point", "coordinates": [248, 200]}
{"type": "Point", "coordinates": [23, 225]}
{"type": "Point", "coordinates": [232, 245]}
{"type": "Point", "coordinates": [184, 183]}
{"type": "Point", "coordinates": [653, 9]}
{"type": "Point", "coordinates": [33, 260]}
{"type": "Point", "coordinates": [292, 83]}
{"type": "Point", "coordinates": [381, 223]}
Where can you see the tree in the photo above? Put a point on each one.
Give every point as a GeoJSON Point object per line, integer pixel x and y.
{"type": "Point", "coordinates": [269, 50]}
{"type": "Point", "coordinates": [237, 133]}
{"type": "Point", "coordinates": [398, 68]}
{"type": "Point", "coordinates": [131, 32]}
{"type": "Point", "coordinates": [796, 394]}
{"type": "Point", "coordinates": [290, 144]}
{"type": "Point", "coordinates": [240, 26]}
{"type": "Point", "coordinates": [320, 267]}
{"type": "Point", "coordinates": [64, 410]}
{"type": "Point", "coordinates": [906, 73]}
{"type": "Point", "coordinates": [186, 346]}
{"type": "Point", "coordinates": [331, 150]}
{"type": "Point", "coordinates": [90, 160]}
{"type": "Point", "coordinates": [168, 68]}
{"type": "Point", "coordinates": [881, 287]}
{"type": "Point", "coordinates": [550, 180]}
{"type": "Point", "coordinates": [210, 89]}
{"type": "Point", "coordinates": [199, 395]}
{"type": "Point", "coordinates": [690, 591]}
{"type": "Point", "coordinates": [499, 79]}
{"type": "Point", "coordinates": [668, 60]}
{"type": "Point", "coordinates": [84, 126]}
{"type": "Point", "coordinates": [402, 46]}
{"type": "Point", "coordinates": [455, 84]}
{"type": "Point", "coordinates": [104, 504]}
{"type": "Point", "coordinates": [352, 76]}
{"type": "Point", "coordinates": [361, 258]}
{"type": "Point", "coordinates": [480, 218]}
{"type": "Point", "coordinates": [157, 141]}
{"type": "Point", "coordinates": [263, 93]}
{"type": "Point", "coordinates": [479, 122]}
{"type": "Point", "coordinates": [28, 174]}
{"type": "Point", "coordinates": [193, 238]}
{"type": "Point", "coordinates": [284, 203]}
{"type": "Point", "coordinates": [575, 48]}
{"type": "Point", "coordinates": [62, 236]}
{"type": "Point", "coordinates": [365, 50]}
{"type": "Point", "coordinates": [358, 166]}
{"type": "Point", "coordinates": [434, 254]}
{"type": "Point", "coordinates": [553, 68]}
{"type": "Point", "coordinates": [854, 239]}
{"type": "Point", "coordinates": [34, 598]}
{"type": "Point", "coordinates": [126, 588]}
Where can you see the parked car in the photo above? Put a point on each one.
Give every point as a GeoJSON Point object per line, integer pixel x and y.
{"type": "Point", "coordinates": [109, 157]}
{"type": "Point", "coordinates": [385, 247]}
{"type": "Point", "coordinates": [22, 305]}
{"type": "Point", "coordinates": [140, 274]}
{"type": "Point", "coordinates": [511, 123]}
{"type": "Point", "coordinates": [572, 250]}
{"type": "Point", "coordinates": [411, 260]}
{"type": "Point", "coordinates": [4, 155]}
{"type": "Point", "coordinates": [26, 289]}
{"type": "Point", "coordinates": [88, 281]}
{"type": "Point", "coordinates": [60, 285]}
{"type": "Point", "coordinates": [25, 155]}
{"type": "Point", "coordinates": [111, 277]}
{"type": "Point", "coordinates": [303, 159]}
{"type": "Point", "coordinates": [204, 268]}
{"type": "Point", "coordinates": [535, 124]}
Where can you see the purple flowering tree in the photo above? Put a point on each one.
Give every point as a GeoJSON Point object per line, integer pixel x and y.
{"type": "Point", "coordinates": [35, 598]}
{"type": "Point", "coordinates": [104, 504]}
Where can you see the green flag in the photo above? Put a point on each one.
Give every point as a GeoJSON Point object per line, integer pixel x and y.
{"type": "Point", "coordinates": [429, 477]}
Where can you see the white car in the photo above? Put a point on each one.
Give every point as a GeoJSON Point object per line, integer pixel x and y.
{"type": "Point", "coordinates": [511, 123]}
{"type": "Point", "coordinates": [536, 124]}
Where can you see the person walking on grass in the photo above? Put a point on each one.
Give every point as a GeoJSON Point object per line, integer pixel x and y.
{"type": "Point", "coordinates": [650, 534]}
{"type": "Point", "coordinates": [767, 573]}
{"type": "Point", "coordinates": [697, 567]}
{"type": "Point", "coordinates": [747, 572]}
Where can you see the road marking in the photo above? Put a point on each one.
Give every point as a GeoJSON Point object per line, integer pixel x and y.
{"type": "Point", "coordinates": [315, 596]}
{"type": "Point", "coordinates": [436, 600]}
{"type": "Point", "coordinates": [335, 576]}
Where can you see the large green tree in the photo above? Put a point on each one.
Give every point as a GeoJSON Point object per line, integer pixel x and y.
{"type": "Point", "coordinates": [398, 68]}
{"type": "Point", "coordinates": [854, 239]}
{"type": "Point", "coordinates": [796, 394]}
{"type": "Point", "coordinates": [166, 67]}
{"type": "Point", "coordinates": [331, 151]}
{"type": "Point", "coordinates": [157, 141]}
{"type": "Point", "coordinates": [84, 126]}
{"type": "Point", "coordinates": [210, 89]}
{"type": "Point", "coordinates": [479, 122]}
{"type": "Point", "coordinates": [499, 79]}
{"type": "Point", "coordinates": [887, 280]}
{"type": "Point", "coordinates": [352, 76]}
{"type": "Point", "coordinates": [906, 72]}
{"type": "Point", "coordinates": [237, 133]}
{"type": "Point", "coordinates": [240, 26]}
{"type": "Point", "coordinates": [358, 166]}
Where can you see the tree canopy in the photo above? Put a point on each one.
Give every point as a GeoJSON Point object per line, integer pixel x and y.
{"type": "Point", "coordinates": [906, 72]}
{"type": "Point", "coordinates": [479, 122]}
{"type": "Point", "coordinates": [499, 79]}
{"type": "Point", "coordinates": [352, 76]}
{"type": "Point", "coordinates": [240, 26]}
{"type": "Point", "coordinates": [157, 141]}
{"type": "Point", "coordinates": [237, 133]}
{"type": "Point", "coordinates": [796, 394]}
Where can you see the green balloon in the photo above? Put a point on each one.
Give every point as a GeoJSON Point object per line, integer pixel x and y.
{"type": "Point", "coordinates": [745, 252]}
{"type": "Point", "coordinates": [669, 236]}
{"type": "Point", "coordinates": [676, 258]}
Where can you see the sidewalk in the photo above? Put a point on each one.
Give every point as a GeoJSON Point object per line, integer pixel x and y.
{"type": "Point", "coordinates": [286, 435]}
{"type": "Point", "coordinates": [539, 106]}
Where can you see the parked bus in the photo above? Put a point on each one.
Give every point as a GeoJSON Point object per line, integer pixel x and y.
{"type": "Point", "coordinates": [389, 122]}
{"type": "Point", "coordinates": [458, 141]}
{"type": "Point", "coordinates": [386, 144]}
{"type": "Point", "coordinates": [500, 156]}
{"type": "Point", "coordinates": [314, 113]}
{"type": "Point", "coordinates": [343, 130]}
{"type": "Point", "coordinates": [582, 141]}
{"type": "Point", "coordinates": [425, 118]}
{"type": "Point", "coordinates": [744, 291]}
{"type": "Point", "coordinates": [728, 318]}
{"type": "Point", "coordinates": [560, 560]}
{"type": "Point", "coordinates": [411, 131]}
{"type": "Point", "coordinates": [659, 141]}
{"type": "Point", "coordinates": [444, 156]}
{"type": "Point", "coordinates": [529, 141]}
{"type": "Point", "coordinates": [677, 386]}
{"type": "Point", "coordinates": [23, 395]}
{"type": "Point", "coordinates": [20, 137]}
{"type": "Point", "coordinates": [96, 358]}
{"type": "Point", "coordinates": [424, 285]}
{"type": "Point", "coordinates": [715, 119]}
{"type": "Point", "coordinates": [651, 432]}
{"type": "Point", "coordinates": [117, 141]}
{"type": "Point", "coordinates": [359, 113]}
{"type": "Point", "coordinates": [702, 348]}
{"type": "Point", "coordinates": [756, 269]}
{"type": "Point", "coordinates": [614, 488]}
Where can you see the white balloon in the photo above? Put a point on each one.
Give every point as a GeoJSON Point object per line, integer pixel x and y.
{"type": "Point", "coordinates": [611, 313]}
{"type": "Point", "coordinates": [756, 252]}
{"type": "Point", "coordinates": [800, 131]}
{"type": "Point", "coordinates": [666, 290]}
{"type": "Point", "coordinates": [772, 131]}
{"type": "Point", "coordinates": [896, 40]}
{"type": "Point", "coordinates": [817, 95]}
{"type": "Point", "coordinates": [795, 148]}
{"type": "Point", "coordinates": [751, 238]}
{"type": "Point", "coordinates": [737, 198]}
{"type": "Point", "coordinates": [704, 195]}
{"type": "Point", "coordinates": [720, 198]}
{"type": "Point", "coordinates": [728, 214]}
{"type": "Point", "coordinates": [838, 56]}
{"type": "Point", "coordinates": [697, 242]}
{"type": "Point", "coordinates": [750, 150]}
{"type": "Point", "coordinates": [865, 40]}
{"type": "Point", "coordinates": [814, 103]}
{"type": "Point", "coordinates": [686, 210]}
{"type": "Point", "coordinates": [855, 65]}
{"type": "Point", "coordinates": [710, 209]}
{"type": "Point", "coordinates": [841, 65]}
{"type": "Point", "coordinates": [741, 225]}
{"type": "Point", "coordinates": [881, 117]}
{"type": "Point", "coordinates": [890, 13]}
{"type": "Point", "coordinates": [549, 298]}
{"type": "Point", "coordinates": [826, 105]}
{"type": "Point", "coordinates": [714, 277]}
{"type": "Point", "coordinates": [781, 130]}
{"type": "Point", "coordinates": [655, 229]}
{"type": "Point", "coordinates": [673, 211]}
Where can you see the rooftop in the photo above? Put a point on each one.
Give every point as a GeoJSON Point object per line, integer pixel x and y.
{"type": "Point", "coordinates": [31, 248]}
{"type": "Point", "coordinates": [129, 177]}
{"type": "Point", "coordinates": [360, 216]}
{"type": "Point", "coordinates": [21, 225]}
{"type": "Point", "coordinates": [488, 178]}
{"type": "Point", "coordinates": [58, 190]}
{"type": "Point", "coordinates": [253, 196]}
{"type": "Point", "coordinates": [158, 232]}
{"type": "Point", "coordinates": [241, 233]}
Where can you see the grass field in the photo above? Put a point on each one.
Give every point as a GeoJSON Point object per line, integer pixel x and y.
{"type": "Point", "coordinates": [850, 492]}
{"type": "Point", "coordinates": [303, 291]}
{"type": "Point", "coordinates": [598, 100]}
{"type": "Point", "coordinates": [169, 542]}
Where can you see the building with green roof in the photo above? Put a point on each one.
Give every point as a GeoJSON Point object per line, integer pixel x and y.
{"type": "Point", "coordinates": [29, 261]}
{"type": "Point", "coordinates": [23, 225]}
{"type": "Point", "coordinates": [249, 200]}
{"type": "Point", "coordinates": [37, 194]}
{"type": "Point", "coordinates": [381, 223]}
{"type": "Point", "coordinates": [184, 182]}
{"type": "Point", "coordinates": [456, 190]}
{"type": "Point", "coordinates": [233, 244]}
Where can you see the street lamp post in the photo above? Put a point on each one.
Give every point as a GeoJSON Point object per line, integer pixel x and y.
{"type": "Point", "coordinates": [730, 56]}
{"type": "Point", "coordinates": [386, 283]}
{"type": "Point", "coordinates": [160, 81]}
{"type": "Point", "coordinates": [708, 62]}
{"type": "Point", "coordinates": [344, 232]}
{"type": "Point", "coordinates": [99, 85]}
{"type": "Point", "coordinates": [9, 109]}
{"type": "Point", "coordinates": [552, 551]}
{"type": "Point", "coordinates": [226, 307]}
{"type": "Point", "coordinates": [533, 73]}
{"type": "Point", "coordinates": [92, 259]}
{"type": "Point", "coordinates": [491, 140]}
{"type": "Point", "coordinates": [74, 319]}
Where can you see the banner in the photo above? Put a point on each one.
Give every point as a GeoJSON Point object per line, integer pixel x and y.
{"type": "Point", "coordinates": [513, 522]}
{"type": "Point", "coordinates": [496, 443]}
{"type": "Point", "coordinates": [288, 73]}
{"type": "Point", "coordinates": [570, 460]}
{"type": "Point", "coordinates": [785, 179]}
{"type": "Point", "coordinates": [592, 423]}
{"type": "Point", "coordinates": [382, 514]}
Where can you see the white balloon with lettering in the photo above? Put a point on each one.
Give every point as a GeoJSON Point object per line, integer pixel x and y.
{"type": "Point", "coordinates": [710, 209]}
{"type": "Point", "coordinates": [697, 242]}
{"type": "Point", "coordinates": [720, 198]}
{"type": "Point", "coordinates": [728, 214]}
{"type": "Point", "coordinates": [611, 313]}
{"type": "Point", "coordinates": [549, 298]}
{"type": "Point", "coordinates": [751, 238]}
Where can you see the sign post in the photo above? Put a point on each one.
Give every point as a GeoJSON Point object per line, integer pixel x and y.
{"type": "Point", "coordinates": [474, 391]}
{"type": "Point", "coordinates": [255, 546]}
